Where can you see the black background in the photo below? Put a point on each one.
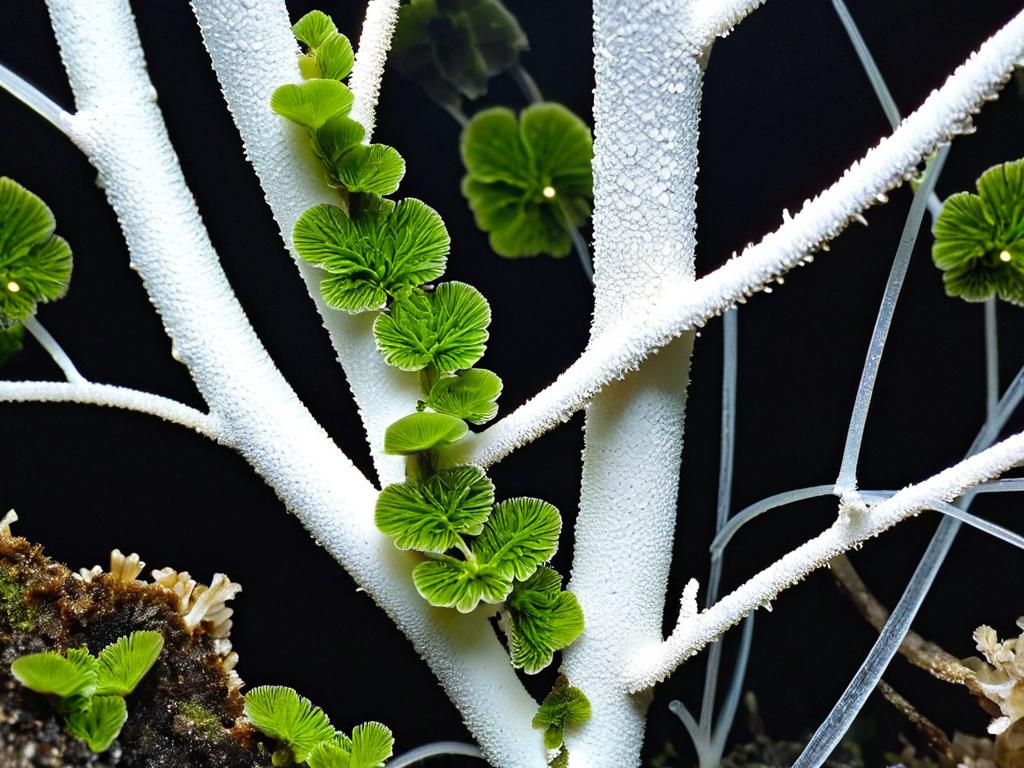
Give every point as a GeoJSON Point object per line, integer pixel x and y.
{"type": "Point", "coordinates": [786, 109]}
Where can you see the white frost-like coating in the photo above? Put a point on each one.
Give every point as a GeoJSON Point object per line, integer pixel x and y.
{"type": "Point", "coordinates": [374, 44]}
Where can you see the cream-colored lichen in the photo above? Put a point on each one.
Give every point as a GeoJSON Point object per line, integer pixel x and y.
{"type": "Point", "coordinates": [125, 567]}
{"type": "Point", "coordinates": [88, 574]}
{"type": "Point", "coordinates": [1000, 677]}
{"type": "Point", "coordinates": [6, 521]}
{"type": "Point", "coordinates": [181, 584]}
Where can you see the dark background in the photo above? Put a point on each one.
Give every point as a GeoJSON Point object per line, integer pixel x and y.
{"type": "Point", "coordinates": [786, 109]}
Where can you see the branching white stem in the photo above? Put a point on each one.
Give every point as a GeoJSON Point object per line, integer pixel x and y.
{"type": "Point", "coordinates": [716, 18]}
{"type": "Point", "coordinates": [374, 44]}
{"type": "Point", "coordinates": [851, 528]}
{"type": "Point", "coordinates": [54, 350]}
{"type": "Point", "coordinates": [35, 100]}
{"type": "Point", "coordinates": [88, 393]}
{"type": "Point", "coordinates": [621, 349]}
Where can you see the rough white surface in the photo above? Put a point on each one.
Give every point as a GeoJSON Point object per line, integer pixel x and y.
{"type": "Point", "coordinates": [621, 349]}
{"type": "Point", "coordinates": [253, 52]}
{"type": "Point", "coordinates": [372, 56]}
{"type": "Point", "coordinates": [854, 525]}
{"type": "Point", "coordinates": [120, 128]}
{"type": "Point", "coordinates": [646, 113]}
{"type": "Point", "coordinates": [716, 18]}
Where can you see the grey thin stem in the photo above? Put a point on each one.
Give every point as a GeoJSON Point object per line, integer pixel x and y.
{"type": "Point", "coordinates": [991, 357]}
{"type": "Point", "coordinates": [436, 749]}
{"type": "Point", "coordinates": [758, 508]}
{"type": "Point", "coordinates": [732, 697]}
{"type": "Point", "coordinates": [54, 350]}
{"type": "Point", "coordinates": [35, 100]}
{"type": "Point", "coordinates": [847, 480]}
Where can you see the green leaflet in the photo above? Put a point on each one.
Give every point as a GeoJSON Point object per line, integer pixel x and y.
{"type": "Point", "coordinates": [446, 328]}
{"type": "Point", "coordinates": [520, 534]}
{"type": "Point", "coordinates": [372, 744]}
{"type": "Point", "coordinates": [313, 102]}
{"type": "Point", "coordinates": [471, 395]}
{"type": "Point", "coordinates": [328, 53]}
{"type": "Point", "coordinates": [124, 663]}
{"type": "Point", "coordinates": [450, 583]}
{"type": "Point", "coordinates": [383, 251]}
{"type": "Point", "coordinates": [420, 432]}
{"type": "Point", "coordinates": [35, 264]}
{"type": "Point", "coordinates": [528, 180]}
{"type": "Point", "coordinates": [282, 714]}
{"type": "Point", "coordinates": [11, 341]}
{"type": "Point", "coordinates": [433, 515]}
{"type": "Point", "coordinates": [57, 675]}
{"type": "Point", "coordinates": [543, 619]}
{"type": "Point", "coordinates": [564, 707]}
{"type": "Point", "coordinates": [314, 29]}
{"type": "Point", "coordinates": [979, 239]}
{"type": "Point", "coordinates": [375, 169]}
{"type": "Point", "coordinates": [100, 723]}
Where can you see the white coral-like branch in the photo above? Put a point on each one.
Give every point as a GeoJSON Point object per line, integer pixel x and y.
{"type": "Point", "coordinates": [6, 522]}
{"type": "Point", "coordinates": [208, 605]}
{"type": "Point", "coordinates": [374, 44]}
{"type": "Point", "coordinates": [125, 567]}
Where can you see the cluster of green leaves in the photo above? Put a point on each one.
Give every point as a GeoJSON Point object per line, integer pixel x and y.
{"type": "Point", "coordinates": [89, 690]}
{"type": "Point", "coordinates": [565, 707]}
{"type": "Point", "coordinates": [452, 48]}
{"type": "Point", "coordinates": [529, 179]}
{"type": "Point", "coordinates": [306, 736]}
{"type": "Point", "coordinates": [979, 239]}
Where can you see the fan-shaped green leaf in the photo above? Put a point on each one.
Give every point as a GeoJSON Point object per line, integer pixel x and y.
{"type": "Point", "coordinates": [431, 516]}
{"type": "Point", "coordinates": [493, 151]}
{"type": "Point", "coordinates": [383, 250]}
{"type": "Point", "coordinates": [35, 264]}
{"type": "Point", "coordinates": [312, 103]}
{"type": "Point", "coordinates": [520, 534]}
{"type": "Point", "coordinates": [961, 231]}
{"type": "Point", "coordinates": [544, 619]}
{"type": "Point", "coordinates": [537, 228]}
{"type": "Point", "coordinates": [328, 755]}
{"type": "Point", "coordinates": [335, 137]}
{"type": "Point", "coordinates": [471, 395]}
{"type": "Point", "coordinates": [100, 723]}
{"type": "Point", "coordinates": [124, 663]}
{"type": "Point", "coordinates": [11, 341]}
{"type": "Point", "coordinates": [279, 712]}
{"type": "Point", "coordinates": [313, 29]}
{"type": "Point", "coordinates": [57, 675]}
{"type": "Point", "coordinates": [372, 744]}
{"type": "Point", "coordinates": [446, 328]}
{"type": "Point", "coordinates": [450, 583]}
{"type": "Point", "coordinates": [335, 57]}
{"type": "Point", "coordinates": [559, 145]}
{"type": "Point", "coordinates": [422, 431]}
{"type": "Point", "coordinates": [564, 707]}
{"type": "Point", "coordinates": [376, 169]}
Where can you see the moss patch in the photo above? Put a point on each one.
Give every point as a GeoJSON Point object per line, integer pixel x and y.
{"type": "Point", "coordinates": [16, 614]}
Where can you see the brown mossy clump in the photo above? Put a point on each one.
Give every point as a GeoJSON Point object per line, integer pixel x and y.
{"type": "Point", "coordinates": [187, 711]}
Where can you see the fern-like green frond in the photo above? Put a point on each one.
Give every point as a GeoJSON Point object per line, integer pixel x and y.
{"type": "Point", "coordinates": [100, 723]}
{"type": "Point", "coordinates": [471, 395]}
{"type": "Point", "coordinates": [280, 713]}
{"type": "Point", "coordinates": [124, 663]}
{"type": "Point", "coordinates": [450, 583]}
{"type": "Point", "coordinates": [565, 707]}
{"type": "Point", "coordinates": [55, 674]}
{"type": "Point", "coordinates": [519, 536]}
{"type": "Point", "coordinates": [543, 619]}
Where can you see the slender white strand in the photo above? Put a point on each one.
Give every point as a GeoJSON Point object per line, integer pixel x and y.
{"type": "Point", "coordinates": [36, 100]}
{"type": "Point", "coordinates": [88, 393]}
{"type": "Point", "coordinates": [758, 508]}
{"type": "Point", "coordinates": [732, 697]}
{"type": "Point", "coordinates": [621, 349]}
{"type": "Point", "coordinates": [853, 527]}
{"type": "Point", "coordinates": [374, 44]}
{"type": "Point", "coordinates": [54, 350]}
{"type": "Point", "coordinates": [437, 749]}
{"type": "Point", "coordinates": [991, 357]}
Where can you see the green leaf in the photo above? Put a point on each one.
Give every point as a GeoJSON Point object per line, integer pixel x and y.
{"type": "Point", "coordinates": [564, 707]}
{"type": "Point", "coordinates": [328, 754]}
{"type": "Point", "coordinates": [11, 341]}
{"type": "Point", "coordinates": [335, 137]}
{"type": "Point", "coordinates": [446, 328]}
{"type": "Point", "coordinates": [312, 103]}
{"type": "Point", "coordinates": [520, 534]}
{"type": "Point", "coordinates": [279, 712]}
{"type": "Point", "coordinates": [57, 675]}
{"type": "Point", "coordinates": [329, 52]}
{"type": "Point", "coordinates": [450, 583]}
{"type": "Point", "coordinates": [543, 619]}
{"type": "Point", "coordinates": [35, 264]}
{"type": "Point", "coordinates": [492, 148]}
{"type": "Point", "coordinates": [431, 516]}
{"type": "Point", "coordinates": [376, 169]}
{"type": "Point", "coordinates": [372, 744]}
{"type": "Point", "coordinates": [471, 395]}
{"type": "Point", "coordinates": [382, 251]}
{"type": "Point", "coordinates": [419, 432]}
{"type": "Point", "coordinates": [313, 29]}
{"type": "Point", "coordinates": [100, 724]}
{"type": "Point", "coordinates": [124, 663]}
{"type": "Point", "coordinates": [335, 57]}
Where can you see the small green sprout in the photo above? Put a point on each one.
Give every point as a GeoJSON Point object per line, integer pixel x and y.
{"type": "Point", "coordinates": [471, 395]}
{"type": "Point", "coordinates": [90, 691]}
{"type": "Point", "coordinates": [542, 619]}
{"type": "Point", "coordinates": [529, 181]}
{"type": "Point", "coordinates": [565, 707]}
{"type": "Point", "coordinates": [307, 736]}
{"type": "Point", "coordinates": [328, 52]}
{"type": "Point", "coordinates": [446, 329]}
{"type": "Point", "coordinates": [35, 264]}
{"type": "Point", "coordinates": [419, 432]}
{"type": "Point", "coordinates": [452, 48]}
{"type": "Point", "coordinates": [979, 239]}
{"type": "Point", "coordinates": [381, 252]}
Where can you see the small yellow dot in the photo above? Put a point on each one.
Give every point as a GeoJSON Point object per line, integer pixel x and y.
{"type": "Point", "coordinates": [1006, 256]}
{"type": "Point", "coordinates": [548, 192]}
{"type": "Point", "coordinates": [13, 287]}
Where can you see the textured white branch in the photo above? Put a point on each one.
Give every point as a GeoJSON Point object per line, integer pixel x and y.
{"type": "Point", "coordinates": [122, 132]}
{"type": "Point", "coordinates": [646, 115]}
{"type": "Point", "coordinates": [35, 100]}
{"type": "Point", "coordinates": [853, 527]}
{"type": "Point", "coordinates": [621, 349]}
{"type": "Point", "coordinates": [293, 181]}
{"type": "Point", "coordinates": [716, 18]}
{"type": "Point", "coordinates": [372, 56]}
{"type": "Point", "coordinates": [88, 393]}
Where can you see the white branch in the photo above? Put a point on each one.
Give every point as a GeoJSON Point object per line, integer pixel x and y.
{"type": "Point", "coordinates": [54, 350]}
{"type": "Point", "coordinates": [293, 181]}
{"type": "Point", "coordinates": [853, 527]}
{"type": "Point", "coordinates": [35, 100]}
{"type": "Point", "coordinates": [372, 56]}
{"type": "Point", "coordinates": [621, 349]}
{"type": "Point", "coordinates": [123, 133]}
{"type": "Point", "coordinates": [711, 19]}
{"type": "Point", "coordinates": [88, 393]}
